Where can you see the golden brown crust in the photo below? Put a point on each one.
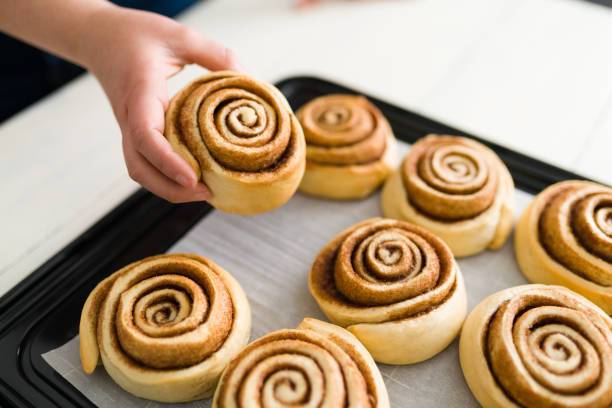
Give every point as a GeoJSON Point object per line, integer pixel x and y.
{"type": "Point", "coordinates": [317, 364]}
{"type": "Point", "coordinates": [536, 346]}
{"type": "Point", "coordinates": [350, 146]}
{"type": "Point", "coordinates": [387, 281]}
{"type": "Point", "coordinates": [165, 326]}
{"type": "Point", "coordinates": [241, 138]}
{"type": "Point", "coordinates": [564, 237]}
{"type": "Point", "coordinates": [457, 188]}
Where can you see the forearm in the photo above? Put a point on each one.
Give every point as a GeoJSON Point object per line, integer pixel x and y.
{"type": "Point", "coordinates": [131, 53]}
{"type": "Point", "coordinates": [58, 26]}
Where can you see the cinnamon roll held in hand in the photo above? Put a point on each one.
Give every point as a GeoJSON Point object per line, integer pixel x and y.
{"type": "Point", "coordinates": [316, 365]}
{"type": "Point", "coordinates": [564, 237]}
{"type": "Point", "coordinates": [458, 189]}
{"type": "Point", "coordinates": [350, 147]}
{"type": "Point", "coordinates": [538, 346]}
{"type": "Point", "coordinates": [241, 138]}
{"type": "Point", "coordinates": [165, 327]}
{"type": "Point", "coordinates": [395, 286]}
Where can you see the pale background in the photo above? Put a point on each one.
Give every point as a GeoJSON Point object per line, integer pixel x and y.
{"type": "Point", "coordinates": [534, 75]}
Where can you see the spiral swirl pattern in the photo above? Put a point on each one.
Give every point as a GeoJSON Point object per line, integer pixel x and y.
{"type": "Point", "coordinates": [350, 146]}
{"type": "Point", "coordinates": [315, 365]}
{"type": "Point", "coordinates": [450, 178]}
{"type": "Point", "coordinates": [543, 346]}
{"type": "Point", "coordinates": [568, 230]}
{"type": "Point", "coordinates": [578, 220]}
{"type": "Point", "coordinates": [343, 130]}
{"type": "Point", "coordinates": [233, 129]}
{"type": "Point", "coordinates": [165, 319]}
{"type": "Point", "coordinates": [382, 273]}
{"type": "Point", "coordinates": [457, 188]}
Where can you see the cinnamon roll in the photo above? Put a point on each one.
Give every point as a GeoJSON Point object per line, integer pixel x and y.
{"type": "Point", "coordinates": [316, 365]}
{"type": "Point", "coordinates": [241, 138]}
{"type": "Point", "coordinates": [395, 286]}
{"type": "Point", "coordinates": [564, 237]}
{"type": "Point", "coordinates": [538, 346]}
{"type": "Point", "coordinates": [165, 327]}
{"type": "Point", "coordinates": [350, 147]}
{"type": "Point", "coordinates": [458, 189]}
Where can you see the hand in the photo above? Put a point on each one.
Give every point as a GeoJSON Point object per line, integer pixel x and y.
{"type": "Point", "coordinates": [306, 3]}
{"type": "Point", "coordinates": [132, 53]}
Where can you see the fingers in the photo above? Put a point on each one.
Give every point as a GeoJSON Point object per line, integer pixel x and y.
{"type": "Point", "coordinates": [141, 171]}
{"type": "Point", "coordinates": [306, 3]}
{"type": "Point", "coordinates": [145, 124]}
{"type": "Point", "coordinates": [194, 48]}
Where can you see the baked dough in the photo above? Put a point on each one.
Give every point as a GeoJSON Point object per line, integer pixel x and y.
{"type": "Point", "coordinates": [241, 138]}
{"type": "Point", "coordinates": [316, 365]}
{"type": "Point", "coordinates": [456, 188]}
{"type": "Point", "coordinates": [564, 237]}
{"type": "Point", "coordinates": [350, 147]}
{"type": "Point", "coordinates": [165, 327]}
{"type": "Point", "coordinates": [538, 346]}
{"type": "Point", "coordinates": [395, 286]}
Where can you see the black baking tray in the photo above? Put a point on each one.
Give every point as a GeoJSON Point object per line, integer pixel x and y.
{"type": "Point", "coordinates": [43, 311]}
{"type": "Point", "coordinates": [606, 3]}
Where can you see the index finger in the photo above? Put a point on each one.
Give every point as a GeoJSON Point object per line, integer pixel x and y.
{"type": "Point", "coordinates": [145, 118]}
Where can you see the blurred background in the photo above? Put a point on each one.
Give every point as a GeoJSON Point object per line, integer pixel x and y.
{"type": "Point", "coordinates": [28, 74]}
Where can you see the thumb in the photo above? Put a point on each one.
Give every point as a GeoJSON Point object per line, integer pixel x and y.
{"type": "Point", "coordinates": [195, 49]}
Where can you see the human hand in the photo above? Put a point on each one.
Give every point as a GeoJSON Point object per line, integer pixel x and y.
{"type": "Point", "coordinates": [306, 3]}
{"type": "Point", "coordinates": [133, 53]}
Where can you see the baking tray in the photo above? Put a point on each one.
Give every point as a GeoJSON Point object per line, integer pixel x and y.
{"type": "Point", "coordinates": [606, 3]}
{"type": "Point", "coordinates": [43, 311]}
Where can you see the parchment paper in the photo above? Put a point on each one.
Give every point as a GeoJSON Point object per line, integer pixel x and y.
{"type": "Point", "coordinates": [270, 254]}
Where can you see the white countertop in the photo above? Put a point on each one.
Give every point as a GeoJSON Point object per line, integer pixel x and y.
{"type": "Point", "coordinates": [534, 75]}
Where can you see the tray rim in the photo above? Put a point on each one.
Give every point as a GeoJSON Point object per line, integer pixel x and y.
{"type": "Point", "coordinates": [516, 161]}
{"type": "Point", "coordinates": [529, 174]}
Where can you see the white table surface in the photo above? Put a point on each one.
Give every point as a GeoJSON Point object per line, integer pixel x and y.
{"type": "Point", "coordinates": [534, 75]}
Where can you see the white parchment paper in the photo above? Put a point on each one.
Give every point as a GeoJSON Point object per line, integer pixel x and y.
{"type": "Point", "coordinates": [270, 254]}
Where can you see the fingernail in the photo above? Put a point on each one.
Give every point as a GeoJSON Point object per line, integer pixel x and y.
{"type": "Point", "coordinates": [203, 197]}
{"type": "Point", "coordinates": [239, 67]}
{"type": "Point", "coordinates": [203, 192]}
{"type": "Point", "coordinates": [183, 181]}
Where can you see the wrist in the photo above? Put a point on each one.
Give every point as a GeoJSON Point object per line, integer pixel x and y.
{"type": "Point", "coordinates": [94, 33]}
{"type": "Point", "coordinates": [57, 26]}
